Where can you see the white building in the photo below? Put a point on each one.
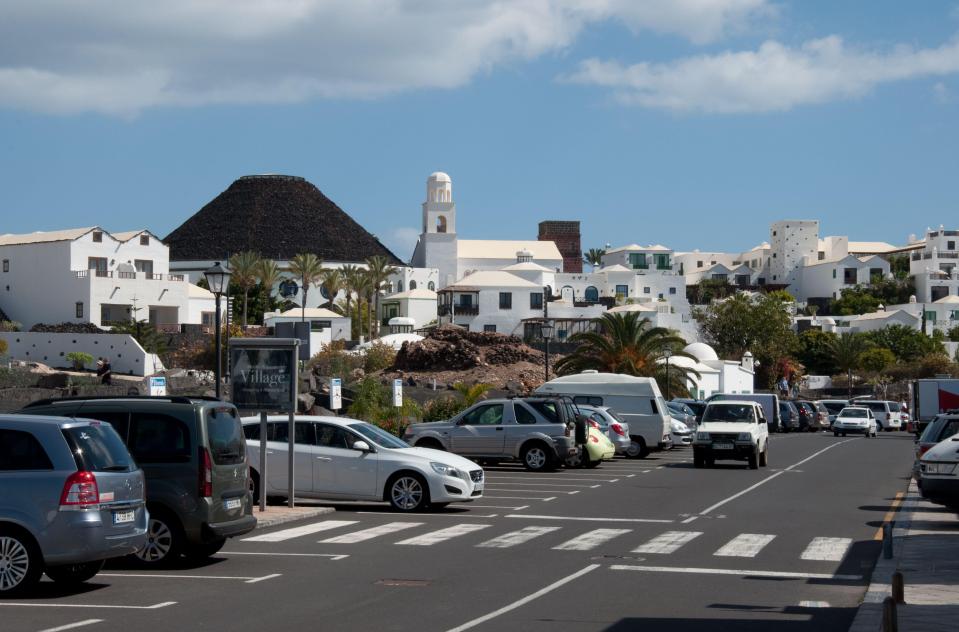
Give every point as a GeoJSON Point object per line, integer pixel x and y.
{"type": "Point", "coordinates": [88, 275]}
{"type": "Point", "coordinates": [934, 267]}
{"type": "Point", "coordinates": [325, 325]}
{"type": "Point", "coordinates": [716, 376]}
{"type": "Point", "coordinates": [828, 278]}
{"type": "Point", "coordinates": [416, 304]}
{"type": "Point", "coordinates": [439, 246]}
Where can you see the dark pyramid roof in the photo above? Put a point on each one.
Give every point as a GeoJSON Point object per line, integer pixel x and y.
{"type": "Point", "coordinates": [278, 217]}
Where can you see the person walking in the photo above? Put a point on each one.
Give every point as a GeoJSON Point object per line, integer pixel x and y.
{"type": "Point", "coordinates": [105, 371]}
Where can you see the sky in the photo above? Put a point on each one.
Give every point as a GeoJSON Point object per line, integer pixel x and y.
{"type": "Point", "coordinates": [691, 123]}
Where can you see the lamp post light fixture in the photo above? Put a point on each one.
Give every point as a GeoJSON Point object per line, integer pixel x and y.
{"type": "Point", "coordinates": [218, 280]}
{"type": "Point", "coordinates": [667, 353]}
{"type": "Point", "coordinates": [546, 331]}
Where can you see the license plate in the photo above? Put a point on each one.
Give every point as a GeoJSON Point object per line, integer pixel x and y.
{"type": "Point", "coordinates": [233, 503]}
{"type": "Point", "coordinates": [121, 517]}
{"type": "Point", "coordinates": [722, 446]}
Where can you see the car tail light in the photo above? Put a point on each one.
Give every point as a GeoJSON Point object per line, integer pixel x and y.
{"type": "Point", "coordinates": [923, 449]}
{"type": "Point", "coordinates": [594, 424]}
{"type": "Point", "coordinates": [80, 490]}
{"type": "Point", "coordinates": [618, 429]}
{"type": "Point", "coordinates": [206, 474]}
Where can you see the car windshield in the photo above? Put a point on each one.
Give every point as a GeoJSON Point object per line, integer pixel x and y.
{"type": "Point", "coordinates": [853, 412]}
{"type": "Point", "coordinates": [226, 436]}
{"type": "Point", "coordinates": [379, 436]}
{"type": "Point", "coordinates": [728, 412]}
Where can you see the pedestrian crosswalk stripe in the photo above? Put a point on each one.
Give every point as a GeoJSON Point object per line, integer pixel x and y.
{"type": "Point", "coordinates": [591, 539]}
{"type": "Point", "coordinates": [368, 534]}
{"type": "Point", "coordinates": [296, 532]}
{"type": "Point", "coordinates": [745, 545]}
{"type": "Point", "coordinates": [442, 535]}
{"type": "Point", "coordinates": [668, 542]}
{"type": "Point", "coordinates": [826, 549]}
{"type": "Point", "coordinates": [516, 537]}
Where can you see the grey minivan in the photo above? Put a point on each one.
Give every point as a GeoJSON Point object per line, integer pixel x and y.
{"type": "Point", "coordinates": [71, 496]}
{"type": "Point", "coordinates": [193, 455]}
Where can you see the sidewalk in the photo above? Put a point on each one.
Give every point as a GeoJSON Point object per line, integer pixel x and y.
{"type": "Point", "coordinates": [281, 514]}
{"type": "Point", "coordinates": [926, 552]}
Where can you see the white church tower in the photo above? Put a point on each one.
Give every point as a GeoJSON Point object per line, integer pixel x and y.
{"type": "Point", "coordinates": [437, 245]}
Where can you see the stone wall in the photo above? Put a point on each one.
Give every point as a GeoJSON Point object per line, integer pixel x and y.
{"type": "Point", "coordinates": [566, 236]}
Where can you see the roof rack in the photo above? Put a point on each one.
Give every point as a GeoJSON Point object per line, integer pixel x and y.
{"type": "Point", "coordinates": [176, 399]}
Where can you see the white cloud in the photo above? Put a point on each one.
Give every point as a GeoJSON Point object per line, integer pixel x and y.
{"type": "Point", "coordinates": [121, 56]}
{"type": "Point", "coordinates": [402, 241]}
{"type": "Point", "coordinates": [773, 78]}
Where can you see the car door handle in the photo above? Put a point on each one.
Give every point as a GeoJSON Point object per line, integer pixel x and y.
{"type": "Point", "coordinates": [323, 458]}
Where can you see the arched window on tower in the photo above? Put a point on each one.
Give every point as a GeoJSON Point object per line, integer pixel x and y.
{"type": "Point", "coordinates": [441, 224]}
{"type": "Point", "coordinates": [431, 286]}
{"type": "Point", "coordinates": [412, 285]}
{"type": "Point", "coordinates": [399, 286]}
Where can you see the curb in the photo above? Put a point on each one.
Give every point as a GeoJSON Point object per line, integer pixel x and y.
{"type": "Point", "coordinates": [281, 515]}
{"type": "Point", "coordinates": [869, 615]}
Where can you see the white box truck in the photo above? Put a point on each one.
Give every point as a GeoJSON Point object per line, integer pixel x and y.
{"type": "Point", "coordinates": [931, 397]}
{"type": "Point", "coordinates": [636, 399]}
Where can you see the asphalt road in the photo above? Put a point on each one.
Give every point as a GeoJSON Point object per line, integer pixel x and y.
{"type": "Point", "coordinates": [652, 544]}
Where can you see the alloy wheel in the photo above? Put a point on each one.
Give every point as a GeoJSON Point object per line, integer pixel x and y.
{"type": "Point", "coordinates": [14, 563]}
{"type": "Point", "coordinates": [407, 493]}
{"type": "Point", "coordinates": [536, 458]}
{"type": "Point", "coordinates": [159, 542]}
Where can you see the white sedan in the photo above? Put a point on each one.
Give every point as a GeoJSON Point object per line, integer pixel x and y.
{"type": "Point", "coordinates": [680, 433]}
{"type": "Point", "coordinates": [855, 419]}
{"type": "Point", "coordinates": [338, 458]}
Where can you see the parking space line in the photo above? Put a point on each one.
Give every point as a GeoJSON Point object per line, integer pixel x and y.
{"type": "Point", "coordinates": [296, 532]}
{"type": "Point", "coordinates": [498, 507]}
{"type": "Point", "coordinates": [368, 534]}
{"type": "Point", "coordinates": [542, 484]}
{"type": "Point", "coordinates": [248, 580]}
{"type": "Point", "coordinates": [434, 537]}
{"type": "Point", "coordinates": [739, 572]}
{"type": "Point", "coordinates": [18, 604]}
{"type": "Point", "coordinates": [591, 539]}
{"type": "Point", "coordinates": [591, 519]}
{"type": "Point", "coordinates": [668, 542]}
{"type": "Point", "coordinates": [531, 491]}
{"type": "Point", "coordinates": [438, 515]}
{"type": "Point", "coordinates": [525, 600]}
{"type": "Point", "coordinates": [332, 556]}
{"type": "Point", "coordinates": [72, 626]}
{"type": "Point", "coordinates": [485, 496]}
{"type": "Point", "coordinates": [514, 538]}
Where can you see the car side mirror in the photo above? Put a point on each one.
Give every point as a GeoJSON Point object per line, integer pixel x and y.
{"type": "Point", "coordinates": [460, 422]}
{"type": "Point", "coordinates": [362, 446]}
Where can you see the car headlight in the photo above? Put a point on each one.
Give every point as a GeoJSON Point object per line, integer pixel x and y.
{"type": "Point", "coordinates": [445, 470]}
{"type": "Point", "coordinates": [702, 436]}
{"type": "Point", "coordinates": [744, 436]}
{"type": "Point", "coordinates": [940, 468]}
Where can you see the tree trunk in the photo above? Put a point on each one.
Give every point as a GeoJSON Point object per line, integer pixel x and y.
{"type": "Point", "coordinates": [303, 307]}
{"type": "Point", "coordinates": [245, 292]}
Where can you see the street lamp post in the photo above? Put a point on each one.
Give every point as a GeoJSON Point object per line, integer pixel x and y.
{"type": "Point", "coordinates": [546, 331]}
{"type": "Point", "coordinates": [667, 353]}
{"type": "Point", "coordinates": [218, 280]}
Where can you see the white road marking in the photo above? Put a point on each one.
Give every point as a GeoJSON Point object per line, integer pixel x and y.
{"type": "Point", "coordinates": [429, 539]}
{"type": "Point", "coordinates": [826, 549]}
{"type": "Point", "coordinates": [525, 600]}
{"type": "Point", "coordinates": [669, 542]}
{"type": "Point", "coordinates": [438, 515]}
{"type": "Point", "coordinates": [767, 479]}
{"type": "Point", "coordinates": [329, 555]}
{"type": "Point", "coordinates": [516, 537]}
{"type": "Point", "coordinates": [71, 626]}
{"type": "Point", "coordinates": [571, 493]}
{"type": "Point", "coordinates": [745, 545]}
{"type": "Point", "coordinates": [593, 486]}
{"type": "Point", "coordinates": [515, 498]}
{"type": "Point", "coordinates": [814, 604]}
{"type": "Point", "coordinates": [690, 519]}
{"type": "Point", "coordinates": [264, 578]}
{"type": "Point", "coordinates": [499, 507]}
{"type": "Point", "coordinates": [591, 539]}
{"type": "Point", "coordinates": [368, 534]}
{"type": "Point", "coordinates": [630, 475]}
{"type": "Point", "coordinates": [546, 500]}
{"type": "Point", "coordinates": [488, 485]}
{"type": "Point", "coordinates": [590, 519]}
{"type": "Point", "coordinates": [296, 532]}
{"type": "Point", "coordinates": [533, 491]}
{"type": "Point", "coordinates": [248, 580]}
{"type": "Point", "coordinates": [729, 571]}
{"type": "Point", "coordinates": [20, 604]}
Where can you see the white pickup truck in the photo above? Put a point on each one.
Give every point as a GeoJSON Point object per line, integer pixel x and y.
{"type": "Point", "coordinates": [732, 429]}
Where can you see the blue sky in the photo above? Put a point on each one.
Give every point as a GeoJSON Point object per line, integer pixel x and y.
{"type": "Point", "coordinates": [693, 123]}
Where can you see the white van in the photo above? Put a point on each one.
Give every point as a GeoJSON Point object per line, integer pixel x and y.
{"type": "Point", "coordinates": [888, 415]}
{"type": "Point", "coordinates": [636, 399]}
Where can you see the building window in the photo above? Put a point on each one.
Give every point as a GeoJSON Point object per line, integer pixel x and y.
{"type": "Point", "coordinates": [672, 290]}
{"type": "Point", "coordinates": [699, 264]}
{"type": "Point", "coordinates": [822, 255]}
{"type": "Point", "coordinates": [774, 255]}
{"type": "Point", "coordinates": [412, 285]}
{"type": "Point", "coordinates": [399, 285]}
{"type": "Point", "coordinates": [950, 245]}
{"type": "Point", "coordinates": [206, 319]}
{"type": "Point", "coordinates": [622, 291]}
{"type": "Point", "coordinates": [144, 240]}
{"type": "Point", "coordinates": [646, 290]}
{"type": "Point", "coordinates": [875, 274]}
{"type": "Point", "coordinates": [431, 286]}
{"type": "Point", "coordinates": [506, 300]}
{"type": "Point", "coordinates": [144, 266]}
{"type": "Point", "coordinates": [662, 262]}
{"type": "Point", "coordinates": [931, 316]}
{"type": "Point", "coordinates": [637, 260]}
{"type": "Point", "coordinates": [849, 276]}
{"type": "Point", "coordinates": [6, 265]}
{"type": "Point", "coordinates": [834, 273]}
{"type": "Point", "coordinates": [97, 236]}
{"type": "Point", "coordinates": [536, 300]}
{"type": "Point", "coordinates": [79, 310]}
{"type": "Point", "coordinates": [490, 329]}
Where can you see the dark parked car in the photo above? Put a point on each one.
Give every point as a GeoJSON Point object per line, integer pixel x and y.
{"type": "Point", "coordinates": [813, 416]}
{"type": "Point", "coordinates": [697, 406]}
{"type": "Point", "coordinates": [939, 429]}
{"type": "Point", "coordinates": [71, 496]}
{"type": "Point", "coordinates": [789, 415]}
{"type": "Point", "coordinates": [193, 454]}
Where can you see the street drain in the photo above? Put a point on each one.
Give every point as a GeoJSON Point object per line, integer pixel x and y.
{"type": "Point", "coordinates": [402, 582]}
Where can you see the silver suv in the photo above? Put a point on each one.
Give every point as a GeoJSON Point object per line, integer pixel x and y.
{"type": "Point", "coordinates": [71, 497]}
{"type": "Point", "coordinates": [538, 431]}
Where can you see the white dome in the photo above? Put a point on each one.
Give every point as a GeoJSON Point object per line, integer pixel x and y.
{"type": "Point", "coordinates": [439, 176]}
{"type": "Point", "coordinates": [701, 351]}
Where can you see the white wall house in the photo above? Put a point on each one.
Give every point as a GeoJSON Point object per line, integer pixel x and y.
{"type": "Point", "coordinates": [874, 321]}
{"type": "Point", "coordinates": [417, 304]}
{"type": "Point", "coordinates": [697, 264]}
{"type": "Point", "coordinates": [325, 325]}
{"type": "Point", "coordinates": [935, 268]}
{"type": "Point", "coordinates": [715, 375]}
{"type": "Point", "coordinates": [90, 275]}
{"type": "Point", "coordinates": [828, 278]}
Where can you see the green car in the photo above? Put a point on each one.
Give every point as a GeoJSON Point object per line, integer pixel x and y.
{"type": "Point", "coordinates": [598, 449]}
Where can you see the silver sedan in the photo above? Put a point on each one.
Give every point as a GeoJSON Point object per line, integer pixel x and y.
{"type": "Point", "coordinates": [610, 424]}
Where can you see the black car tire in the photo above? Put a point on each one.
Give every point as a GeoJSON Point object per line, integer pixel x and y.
{"type": "Point", "coordinates": [74, 573]}
{"type": "Point", "coordinates": [165, 541]}
{"type": "Point", "coordinates": [19, 549]}
{"type": "Point", "coordinates": [754, 459]}
{"type": "Point", "coordinates": [408, 492]}
{"type": "Point", "coordinates": [254, 486]}
{"type": "Point", "coordinates": [637, 448]}
{"type": "Point", "coordinates": [537, 457]}
{"type": "Point", "coordinates": [764, 456]}
{"type": "Point", "coordinates": [698, 460]}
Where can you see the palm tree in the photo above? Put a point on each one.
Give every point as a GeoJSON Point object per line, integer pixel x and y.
{"type": "Point", "coordinates": [626, 343]}
{"type": "Point", "coordinates": [307, 267]}
{"type": "Point", "coordinates": [244, 265]}
{"type": "Point", "coordinates": [332, 281]}
{"type": "Point", "coordinates": [361, 285]}
{"type": "Point", "coordinates": [350, 274]}
{"type": "Point", "coordinates": [846, 350]}
{"type": "Point", "coordinates": [594, 257]}
{"type": "Point", "coordinates": [379, 271]}
{"type": "Point", "coordinates": [268, 273]}
{"type": "Point", "coordinates": [472, 393]}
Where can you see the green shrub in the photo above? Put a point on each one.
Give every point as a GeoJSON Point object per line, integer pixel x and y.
{"type": "Point", "coordinates": [79, 359]}
{"type": "Point", "coordinates": [443, 408]}
{"type": "Point", "coordinates": [333, 361]}
{"type": "Point", "coordinates": [373, 402]}
{"type": "Point", "coordinates": [953, 334]}
{"type": "Point", "coordinates": [378, 357]}
{"type": "Point", "coordinates": [10, 325]}
{"type": "Point", "coordinates": [3, 347]}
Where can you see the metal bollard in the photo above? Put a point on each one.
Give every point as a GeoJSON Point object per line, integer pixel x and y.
{"type": "Point", "coordinates": [898, 588]}
{"type": "Point", "coordinates": [890, 621]}
{"type": "Point", "coordinates": [887, 541]}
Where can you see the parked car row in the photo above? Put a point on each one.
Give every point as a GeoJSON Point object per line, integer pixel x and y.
{"type": "Point", "coordinates": [937, 460]}
{"type": "Point", "coordinates": [83, 480]}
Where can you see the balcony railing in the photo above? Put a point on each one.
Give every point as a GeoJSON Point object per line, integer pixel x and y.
{"type": "Point", "coordinates": [109, 274]}
{"type": "Point", "coordinates": [458, 310]}
{"type": "Point", "coordinates": [126, 275]}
